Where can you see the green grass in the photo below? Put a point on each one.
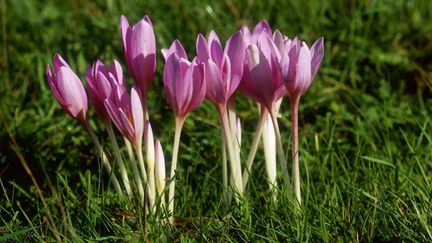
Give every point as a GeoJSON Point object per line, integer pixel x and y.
{"type": "Point", "coordinates": [365, 136]}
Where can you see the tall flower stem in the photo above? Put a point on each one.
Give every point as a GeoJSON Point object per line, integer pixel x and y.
{"type": "Point", "coordinates": [178, 129]}
{"type": "Point", "coordinates": [281, 153]}
{"type": "Point", "coordinates": [232, 118]}
{"type": "Point", "coordinates": [254, 147]}
{"type": "Point", "coordinates": [234, 164]}
{"type": "Point", "coordinates": [269, 141]}
{"type": "Point", "coordinates": [138, 151]}
{"type": "Point", "coordinates": [224, 169]}
{"type": "Point", "coordinates": [135, 170]}
{"type": "Point", "coordinates": [294, 133]}
{"type": "Point", "coordinates": [119, 158]}
{"type": "Point", "coordinates": [104, 158]}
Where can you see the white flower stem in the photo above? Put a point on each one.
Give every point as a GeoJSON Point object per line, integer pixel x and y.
{"type": "Point", "coordinates": [150, 196]}
{"type": "Point", "coordinates": [281, 153]}
{"type": "Point", "coordinates": [135, 170]}
{"type": "Point", "coordinates": [254, 147]}
{"type": "Point", "coordinates": [269, 141]}
{"type": "Point", "coordinates": [178, 129]}
{"type": "Point", "coordinates": [224, 169]}
{"type": "Point", "coordinates": [104, 158]}
{"type": "Point", "coordinates": [119, 158]}
{"type": "Point", "coordinates": [232, 118]}
{"type": "Point", "coordinates": [234, 163]}
{"type": "Point", "coordinates": [295, 155]}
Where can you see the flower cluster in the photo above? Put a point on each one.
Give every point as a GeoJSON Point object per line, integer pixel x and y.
{"type": "Point", "coordinates": [262, 64]}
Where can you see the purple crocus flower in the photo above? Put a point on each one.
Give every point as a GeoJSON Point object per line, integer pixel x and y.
{"type": "Point", "coordinates": [262, 79]}
{"type": "Point", "coordinates": [224, 68]}
{"type": "Point", "coordinates": [252, 37]}
{"type": "Point", "coordinates": [127, 114]}
{"type": "Point", "coordinates": [101, 82]}
{"type": "Point", "coordinates": [139, 47]}
{"type": "Point", "coordinates": [185, 87]}
{"type": "Point", "coordinates": [67, 89]}
{"type": "Point", "coordinates": [184, 81]}
{"type": "Point", "coordinates": [300, 65]}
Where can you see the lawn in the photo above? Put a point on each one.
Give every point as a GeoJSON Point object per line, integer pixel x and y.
{"type": "Point", "coordinates": [365, 126]}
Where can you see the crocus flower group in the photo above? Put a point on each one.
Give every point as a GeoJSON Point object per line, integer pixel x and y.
{"type": "Point", "coordinates": [262, 64]}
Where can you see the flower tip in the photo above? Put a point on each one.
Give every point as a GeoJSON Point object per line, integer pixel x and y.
{"type": "Point", "coordinates": [148, 20]}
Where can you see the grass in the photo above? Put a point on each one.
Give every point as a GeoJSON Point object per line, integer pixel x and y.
{"type": "Point", "coordinates": [365, 136]}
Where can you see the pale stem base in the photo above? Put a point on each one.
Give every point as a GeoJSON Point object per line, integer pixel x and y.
{"type": "Point", "coordinates": [281, 153]}
{"type": "Point", "coordinates": [178, 128]}
{"type": "Point", "coordinates": [119, 158]}
{"type": "Point", "coordinates": [135, 170]}
{"type": "Point", "coordinates": [294, 133]}
{"type": "Point", "coordinates": [254, 147]}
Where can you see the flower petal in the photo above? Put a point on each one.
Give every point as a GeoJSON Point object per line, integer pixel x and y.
{"type": "Point", "coordinates": [202, 49]}
{"type": "Point", "coordinates": [72, 91]}
{"type": "Point", "coordinates": [317, 54]}
{"type": "Point", "coordinates": [235, 49]}
{"type": "Point", "coordinates": [177, 48]}
{"type": "Point", "coordinates": [138, 117]}
{"type": "Point", "coordinates": [303, 76]}
{"type": "Point", "coordinates": [172, 74]}
{"type": "Point", "coordinates": [214, 86]}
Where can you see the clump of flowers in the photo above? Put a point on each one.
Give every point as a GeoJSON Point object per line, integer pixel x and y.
{"type": "Point", "coordinates": [262, 64]}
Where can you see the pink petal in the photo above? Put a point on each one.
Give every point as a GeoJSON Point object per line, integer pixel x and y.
{"type": "Point", "coordinates": [184, 89]}
{"type": "Point", "coordinates": [127, 127]}
{"type": "Point", "coordinates": [202, 48]}
{"type": "Point", "coordinates": [72, 91]}
{"type": "Point", "coordinates": [262, 79]}
{"type": "Point", "coordinates": [303, 76]}
{"type": "Point", "coordinates": [278, 40]}
{"type": "Point", "coordinates": [177, 48]}
{"type": "Point", "coordinates": [103, 86]}
{"type": "Point", "coordinates": [214, 85]}
{"type": "Point", "coordinates": [172, 74]}
{"type": "Point", "coordinates": [216, 51]}
{"type": "Point", "coordinates": [246, 35]}
{"type": "Point", "coordinates": [117, 71]}
{"type": "Point", "coordinates": [52, 83]}
{"type": "Point", "coordinates": [317, 54]}
{"type": "Point", "coordinates": [124, 27]}
{"type": "Point", "coordinates": [138, 117]}
{"type": "Point", "coordinates": [235, 49]}
{"type": "Point", "coordinates": [113, 113]}
{"type": "Point", "coordinates": [199, 86]}
{"type": "Point", "coordinates": [59, 62]}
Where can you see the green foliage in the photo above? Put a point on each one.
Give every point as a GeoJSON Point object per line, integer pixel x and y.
{"type": "Point", "coordinates": [365, 125]}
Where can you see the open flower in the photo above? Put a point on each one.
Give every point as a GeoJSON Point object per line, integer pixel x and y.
{"type": "Point", "coordinates": [101, 81]}
{"type": "Point", "coordinates": [139, 47]}
{"type": "Point", "coordinates": [67, 89]}
{"type": "Point", "coordinates": [262, 80]}
{"type": "Point", "coordinates": [224, 68]}
{"type": "Point", "coordinates": [127, 114]}
{"type": "Point", "coordinates": [252, 37]}
{"type": "Point", "coordinates": [301, 65]}
{"type": "Point", "coordinates": [184, 81]}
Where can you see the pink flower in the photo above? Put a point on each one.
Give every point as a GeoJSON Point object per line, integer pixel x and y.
{"type": "Point", "coordinates": [262, 80]}
{"type": "Point", "coordinates": [300, 65]}
{"type": "Point", "coordinates": [184, 81]}
{"type": "Point", "coordinates": [67, 89]}
{"type": "Point", "coordinates": [224, 68]}
{"type": "Point", "coordinates": [127, 114]}
{"type": "Point", "coordinates": [252, 38]}
{"type": "Point", "coordinates": [139, 47]}
{"type": "Point", "coordinates": [101, 82]}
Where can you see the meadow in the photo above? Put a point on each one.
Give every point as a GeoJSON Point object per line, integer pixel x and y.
{"type": "Point", "coordinates": [365, 125]}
